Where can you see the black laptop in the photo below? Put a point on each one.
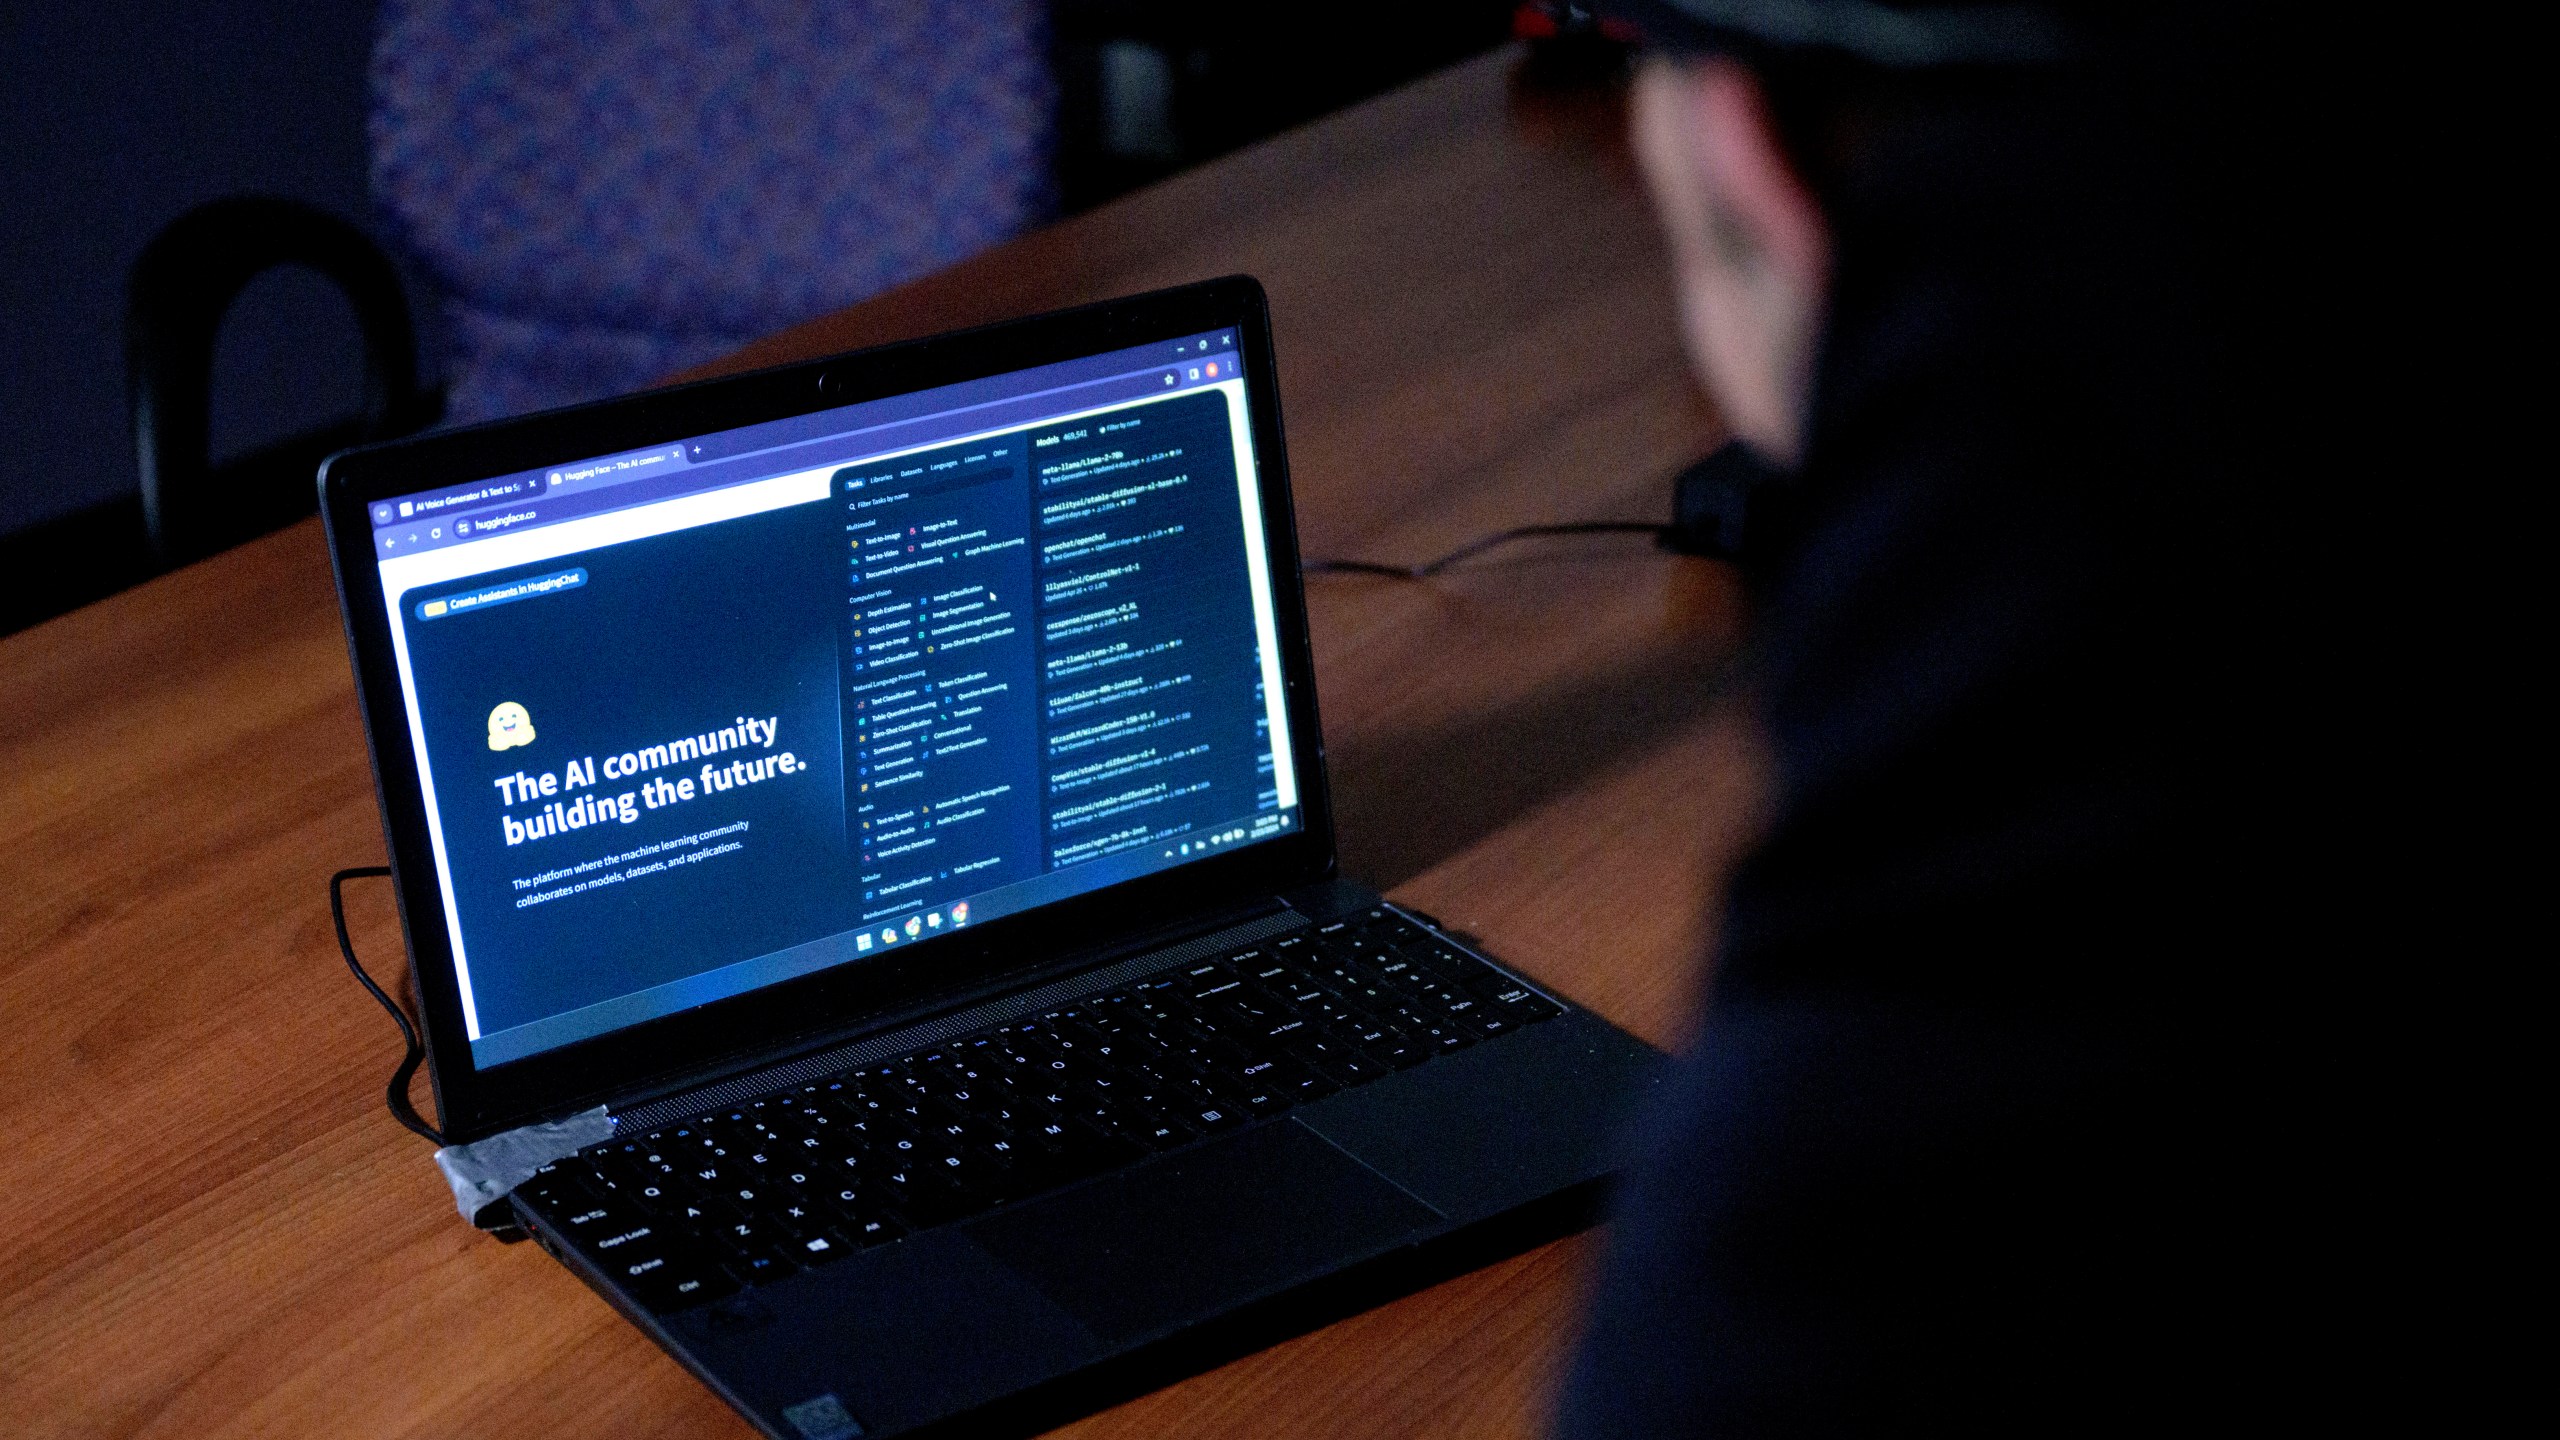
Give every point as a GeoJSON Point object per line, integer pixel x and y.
{"type": "Point", "coordinates": [892, 787]}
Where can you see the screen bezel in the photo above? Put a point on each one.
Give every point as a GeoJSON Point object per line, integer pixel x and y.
{"type": "Point", "coordinates": [471, 1101]}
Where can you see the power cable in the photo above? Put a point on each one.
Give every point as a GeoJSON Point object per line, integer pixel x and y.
{"type": "Point", "coordinates": [1710, 503]}
{"type": "Point", "coordinates": [1477, 547]}
{"type": "Point", "coordinates": [415, 1050]}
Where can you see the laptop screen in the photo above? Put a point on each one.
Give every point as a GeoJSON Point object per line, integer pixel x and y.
{"type": "Point", "coordinates": [698, 719]}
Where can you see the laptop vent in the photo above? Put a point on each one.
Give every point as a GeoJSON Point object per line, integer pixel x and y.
{"type": "Point", "coordinates": [994, 1012]}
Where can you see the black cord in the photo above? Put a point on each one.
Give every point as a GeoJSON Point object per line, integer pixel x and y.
{"type": "Point", "coordinates": [398, 1093]}
{"type": "Point", "coordinates": [1477, 547]}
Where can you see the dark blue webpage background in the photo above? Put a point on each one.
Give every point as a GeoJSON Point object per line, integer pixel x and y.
{"type": "Point", "coordinates": [675, 635]}
{"type": "Point", "coordinates": [681, 634]}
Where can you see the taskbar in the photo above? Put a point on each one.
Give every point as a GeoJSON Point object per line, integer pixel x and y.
{"type": "Point", "coordinates": [881, 932]}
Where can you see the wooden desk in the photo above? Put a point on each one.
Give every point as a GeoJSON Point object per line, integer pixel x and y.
{"type": "Point", "coordinates": [209, 1227]}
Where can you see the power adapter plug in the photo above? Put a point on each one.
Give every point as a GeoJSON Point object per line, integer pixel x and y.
{"type": "Point", "coordinates": [1711, 503]}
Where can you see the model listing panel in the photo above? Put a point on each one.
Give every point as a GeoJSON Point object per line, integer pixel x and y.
{"type": "Point", "coordinates": [1050, 655]}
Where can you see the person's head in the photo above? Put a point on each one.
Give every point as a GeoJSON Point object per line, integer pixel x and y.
{"type": "Point", "coordinates": [1724, 122]}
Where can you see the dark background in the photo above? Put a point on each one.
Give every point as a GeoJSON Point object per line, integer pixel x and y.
{"type": "Point", "coordinates": [122, 115]}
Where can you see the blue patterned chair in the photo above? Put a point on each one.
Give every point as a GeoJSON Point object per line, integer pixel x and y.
{"type": "Point", "coordinates": [604, 191]}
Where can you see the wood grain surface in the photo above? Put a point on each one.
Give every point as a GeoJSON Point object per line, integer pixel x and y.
{"type": "Point", "coordinates": [210, 1227]}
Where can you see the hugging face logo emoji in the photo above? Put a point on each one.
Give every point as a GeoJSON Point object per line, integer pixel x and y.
{"type": "Point", "coordinates": [509, 726]}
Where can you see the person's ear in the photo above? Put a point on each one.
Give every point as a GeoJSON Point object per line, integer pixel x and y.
{"type": "Point", "coordinates": [1750, 243]}
{"type": "Point", "coordinates": [1751, 187]}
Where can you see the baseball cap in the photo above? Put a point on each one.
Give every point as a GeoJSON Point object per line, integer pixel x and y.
{"type": "Point", "coordinates": [1880, 32]}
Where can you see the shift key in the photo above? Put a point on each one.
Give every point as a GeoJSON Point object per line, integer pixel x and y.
{"type": "Point", "coordinates": [668, 1278]}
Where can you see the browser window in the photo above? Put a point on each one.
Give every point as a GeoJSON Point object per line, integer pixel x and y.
{"type": "Point", "coordinates": [696, 719]}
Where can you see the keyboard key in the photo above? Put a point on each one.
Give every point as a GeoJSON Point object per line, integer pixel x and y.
{"type": "Point", "coordinates": [1193, 1091]}
{"type": "Point", "coordinates": [583, 1219]}
{"type": "Point", "coordinates": [1337, 1061]}
{"type": "Point", "coordinates": [1161, 1132]}
{"type": "Point", "coordinates": [822, 1248]}
{"type": "Point", "coordinates": [670, 1279]}
{"type": "Point", "coordinates": [1465, 1011]}
{"type": "Point", "coordinates": [801, 1218]}
{"type": "Point", "coordinates": [699, 1213]}
{"type": "Point", "coordinates": [638, 1238]}
{"type": "Point", "coordinates": [867, 1230]}
{"type": "Point", "coordinates": [1258, 1073]}
{"type": "Point", "coordinates": [1452, 966]}
{"type": "Point", "coordinates": [1361, 994]}
{"type": "Point", "coordinates": [1265, 1099]}
{"type": "Point", "coordinates": [1302, 1083]}
{"type": "Point", "coordinates": [553, 1189]}
{"type": "Point", "coordinates": [1394, 1047]}
{"type": "Point", "coordinates": [922, 1196]}
{"type": "Point", "coordinates": [749, 1233]}
{"type": "Point", "coordinates": [1441, 1035]}
{"type": "Point", "coordinates": [760, 1267]}
{"type": "Point", "coordinates": [1525, 1003]}
{"type": "Point", "coordinates": [1404, 978]}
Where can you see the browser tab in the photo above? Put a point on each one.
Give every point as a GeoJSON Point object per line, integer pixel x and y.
{"type": "Point", "coordinates": [442, 502]}
{"type": "Point", "coordinates": [613, 469]}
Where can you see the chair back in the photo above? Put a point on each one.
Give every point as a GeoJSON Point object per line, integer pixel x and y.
{"type": "Point", "coordinates": [181, 286]}
{"type": "Point", "coordinates": [608, 190]}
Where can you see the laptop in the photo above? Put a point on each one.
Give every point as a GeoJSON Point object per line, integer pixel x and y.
{"type": "Point", "coordinates": [891, 787]}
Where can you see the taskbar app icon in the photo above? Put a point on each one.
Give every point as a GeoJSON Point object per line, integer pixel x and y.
{"type": "Point", "coordinates": [914, 927]}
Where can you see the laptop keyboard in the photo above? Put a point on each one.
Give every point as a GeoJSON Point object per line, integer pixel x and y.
{"type": "Point", "coordinates": [693, 1211]}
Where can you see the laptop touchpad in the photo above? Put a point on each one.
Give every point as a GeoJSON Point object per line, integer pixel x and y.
{"type": "Point", "coordinates": [1171, 1243]}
